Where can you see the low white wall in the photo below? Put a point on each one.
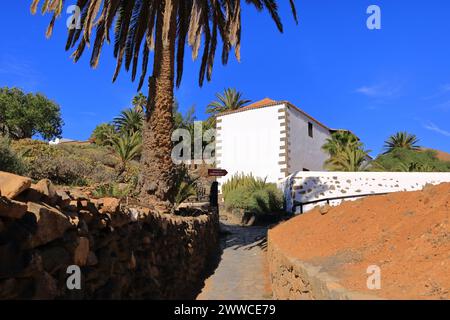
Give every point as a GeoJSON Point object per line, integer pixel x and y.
{"type": "Point", "coordinates": [315, 186]}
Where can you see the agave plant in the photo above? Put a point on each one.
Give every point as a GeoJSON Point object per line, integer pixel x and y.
{"type": "Point", "coordinates": [402, 140]}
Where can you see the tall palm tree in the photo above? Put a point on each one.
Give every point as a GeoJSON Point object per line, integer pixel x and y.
{"type": "Point", "coordinates": [402, 140]}
{"type": "Point", "coordinates": [231, 99]}
{"type": "Point", "coordinates": [129, 121]}
{"type": "Point", "coordinates": [164, 26]}
{"type": "Point", "coordinates": [139, 102]}
{"type": "Point", "coordinates": [349, 160]}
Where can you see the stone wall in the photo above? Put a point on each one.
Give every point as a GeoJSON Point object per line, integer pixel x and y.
{"type": "Point", "coordinates": [293, 279]}
{"type": "Point", "coordinates": [319, 186]}
{"type": "Point", "coordinates": [124, 252]}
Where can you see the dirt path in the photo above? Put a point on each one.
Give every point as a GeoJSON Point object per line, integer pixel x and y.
{"type": "Point", "coordinates": [241, 272]}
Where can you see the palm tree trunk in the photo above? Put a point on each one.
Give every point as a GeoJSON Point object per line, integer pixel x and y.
{"type": "Point", "coordinates": [157, 167]}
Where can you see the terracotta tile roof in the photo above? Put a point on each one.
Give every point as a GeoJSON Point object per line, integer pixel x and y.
{"type": "Point", "coordinates": [267, 102]}
{"type": "Point", "coordinates": [260, 103]}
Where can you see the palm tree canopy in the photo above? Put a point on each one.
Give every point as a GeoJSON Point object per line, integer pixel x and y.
{"type": "Point", "coordinates": [231, 99]}
{"type": "Point", "coordinates": [339, 140]}
{"type": "Point", "coordinates": [349, 160]}
{"type": "Point", "coordinates": [128, 146]}
{"type": "Point", "coordinates": [134, 31]}
{"type": "Point", "coordinates": [139, 102]}
{"type": "Point", "coordinates": [129, 121]}
{"type": "Point", "coordinates": [402, 140]}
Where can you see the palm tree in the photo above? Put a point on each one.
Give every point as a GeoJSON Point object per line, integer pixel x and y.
{"type": "Point", "coordinates": [129, 121]}
{"type": "Point", "coordinates": [339, 140]}
{"type": "Point", "coordinates": [231, 99]}
{"type": "Point", "coordinates": [349, 160]}
{"type": "Point", "coordinates": [164, 26]}
{"type": "Point", "coordinates": [139, 102]}
{"type": "Point", "coordinates": [401, 140]}
{"type": "Point", "coordinates": [127, 147]}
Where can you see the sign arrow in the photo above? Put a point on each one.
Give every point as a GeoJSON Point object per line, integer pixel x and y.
{"type": "Point", "coordinates": [217, 172]}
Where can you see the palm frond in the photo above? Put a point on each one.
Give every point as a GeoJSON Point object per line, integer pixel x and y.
{"type": "Point", "coordinates": [136, 19]}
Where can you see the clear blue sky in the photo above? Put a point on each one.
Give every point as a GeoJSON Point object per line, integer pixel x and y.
{"type": "Point", "coordinates": [371, 82]}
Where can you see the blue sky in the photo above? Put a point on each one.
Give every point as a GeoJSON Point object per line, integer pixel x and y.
{"type": "Point", "coordinates": [373, 82]}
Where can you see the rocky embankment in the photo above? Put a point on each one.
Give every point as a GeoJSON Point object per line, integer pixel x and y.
{"type": "Point", "coordinates": [124, 252]}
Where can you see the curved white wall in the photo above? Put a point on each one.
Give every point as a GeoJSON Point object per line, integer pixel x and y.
{"type": "Point", "coordinates": [313, 186]}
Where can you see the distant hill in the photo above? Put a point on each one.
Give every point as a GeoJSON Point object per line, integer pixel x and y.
{"type": "Point", "coordinates": [441, 155]}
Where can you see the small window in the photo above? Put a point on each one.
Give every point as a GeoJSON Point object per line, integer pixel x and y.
{"type": "Point", "coordinates": [304, 169]}
{"type": "Point", "coordinates": [310, 129]}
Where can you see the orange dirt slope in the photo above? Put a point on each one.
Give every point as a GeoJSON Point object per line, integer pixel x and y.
{"type": "Point", "coordinates": [406, 234]}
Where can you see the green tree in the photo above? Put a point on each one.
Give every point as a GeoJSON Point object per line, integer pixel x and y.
{"type": "Point", "coordinates": [103, 134]}
{"type": "Point", "coordinates": [349, 159]}
{"type": "Point", "coordinates": [401, 140]}
{"type": "Point", "coordinates": [139, 102]}
{"type": "Point", "coordinates": [346, 152]}
{"type": "Point", "coordinates": [163, 26]}
{"type": "Point", "coordinates": [339, 140]}
{"type": "Point", "coordinates": [401, 159]}
{"type": "Point", "coordinates": [129, 121]}
{"type": "Point", "coordinates": [229, 100]}
{"type": "Point", "coordinates": [26, 115]}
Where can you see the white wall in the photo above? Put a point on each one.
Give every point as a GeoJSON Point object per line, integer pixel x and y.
{"type": "Point", "coordinates": [249, 142]}
{"type": "Point", "coordinates": [312, 186]}
{"type": "Point", "coordinates": [306, 152]}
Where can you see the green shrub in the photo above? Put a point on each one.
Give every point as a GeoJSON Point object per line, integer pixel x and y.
{"type": "Point", "coordinates": [410, 161]}
{"type": "Point", "coordinates": [114, 190]}
{"type": "Point", "coordinates": [10, 161]}
{"type": "Point", "coordinates": [103, 134]}
{"type": "Point", "coordinates": [252, 195]}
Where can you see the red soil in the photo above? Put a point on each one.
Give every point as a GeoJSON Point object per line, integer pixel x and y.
{"type": "Point", "coordinates": [406, 234]}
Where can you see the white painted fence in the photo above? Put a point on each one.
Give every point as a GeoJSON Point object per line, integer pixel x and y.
{"type": "Point", "coordinates": [307, 190]}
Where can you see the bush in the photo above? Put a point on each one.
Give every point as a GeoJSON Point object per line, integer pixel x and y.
{"type": "Point", "coordinates": [103, 134]}
{"type": "Point", "coordinates": [10, 161]}
{"type": "Point", "coordinates": [410, 160]}
{"type": "Point", "coordinates": [252, 194]}
{"type": "Point", "coordinates": [67, 164]}
{"type": "Point", "coordinates": [60, 170]}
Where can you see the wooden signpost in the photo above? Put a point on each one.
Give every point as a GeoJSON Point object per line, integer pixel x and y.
{"type": "Point", "coordinates": [217, 172]}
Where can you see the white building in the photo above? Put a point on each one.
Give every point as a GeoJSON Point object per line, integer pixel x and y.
{"type": "Point", "coordinates": [271, 139]}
